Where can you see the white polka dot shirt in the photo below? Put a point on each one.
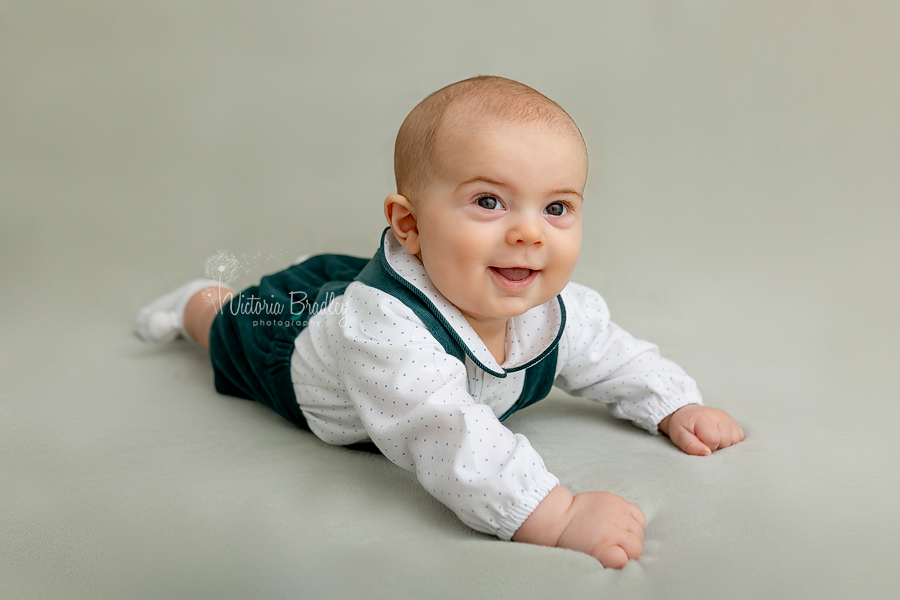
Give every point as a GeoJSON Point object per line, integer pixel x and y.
{"type": "Point", "coordinates": [367, 368]}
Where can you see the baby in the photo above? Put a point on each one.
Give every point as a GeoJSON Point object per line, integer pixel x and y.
{"type": "Point", "coordinates": [465, 314]}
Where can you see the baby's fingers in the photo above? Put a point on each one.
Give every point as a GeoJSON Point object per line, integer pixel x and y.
{"type": "Point", "coordinates": [611, 557]}
{"type": "Point", "coordinates": [731, 434]}
{"type": "Point", "coordinates": [721, 434]}
{"type": "Point", "coordinates": [632, 545]}
{"type": "Point", "coordinates": [638, 515]}
{"type": "Point", "coordinates": [711, 433]}
{"type": "Point", "coordinates": [616, 556]}
{"type": "Point", "coordinates": [689, 442]}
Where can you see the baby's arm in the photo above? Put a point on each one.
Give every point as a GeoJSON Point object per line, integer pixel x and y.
{"type": "Point", "coordinates": [599, 360]}
{"type": "Point", "coordinates": [597, 523]}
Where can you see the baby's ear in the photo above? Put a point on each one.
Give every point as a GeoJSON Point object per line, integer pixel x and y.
{"type": "Point", "coordinates": [399, 212]}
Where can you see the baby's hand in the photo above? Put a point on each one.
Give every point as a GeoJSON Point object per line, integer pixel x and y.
{"type": "Point", "coordinates": [607, 527]}
{"type": "Point", "coordinates": [700, 430]}
{"type": "Point", "coordinates": [597, 523]}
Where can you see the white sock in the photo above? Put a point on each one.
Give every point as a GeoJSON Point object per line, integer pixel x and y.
{"type": "Point", "coordinates": [163, 319]}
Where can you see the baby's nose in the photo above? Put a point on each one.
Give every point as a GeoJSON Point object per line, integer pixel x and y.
{"type": "Point", "coordinates": [525, 231]}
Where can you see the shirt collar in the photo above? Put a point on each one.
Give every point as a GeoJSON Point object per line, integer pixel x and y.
{"type": "Point", "coordinates": [530, 337]}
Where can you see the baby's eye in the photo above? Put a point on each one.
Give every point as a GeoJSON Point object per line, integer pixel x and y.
{"type": "Point", "coordinates": [488, 202]}
{"type": "Point", "coordinates": [557, 209]}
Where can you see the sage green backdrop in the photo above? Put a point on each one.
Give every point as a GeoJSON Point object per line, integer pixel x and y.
{"type": "Point", "coordinates": [742, 212]}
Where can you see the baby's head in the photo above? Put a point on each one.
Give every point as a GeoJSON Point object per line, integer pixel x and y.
{"type": "Point", "coordinates": [490, 176]}
{"type": "Point", "coordinates": [426, 137]}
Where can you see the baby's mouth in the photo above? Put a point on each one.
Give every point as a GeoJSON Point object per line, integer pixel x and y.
{"type": "Point", "coordinates": [513, 274]}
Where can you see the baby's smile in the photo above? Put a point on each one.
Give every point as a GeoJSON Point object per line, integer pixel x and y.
{"type": "Point", "coordinates": [515, 278]}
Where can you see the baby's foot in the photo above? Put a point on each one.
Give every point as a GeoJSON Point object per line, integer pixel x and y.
{"type": "Point", "coordinates": [163, 319]}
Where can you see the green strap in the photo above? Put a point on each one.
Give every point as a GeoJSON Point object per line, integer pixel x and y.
{"type": "Point", "coordinates": [538, 382]}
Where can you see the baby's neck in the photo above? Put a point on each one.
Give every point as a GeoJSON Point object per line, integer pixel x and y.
{"type": "Point", "coordinates": [493, 334]}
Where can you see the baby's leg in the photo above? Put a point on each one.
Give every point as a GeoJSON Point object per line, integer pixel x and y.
{"type": "Point", "coordinates": [200, 312]}
{"type": "Point", "coordinates": [169, 316]}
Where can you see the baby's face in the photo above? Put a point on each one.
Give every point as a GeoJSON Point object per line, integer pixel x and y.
{"type": "Point", "coordinates": [499, 225]}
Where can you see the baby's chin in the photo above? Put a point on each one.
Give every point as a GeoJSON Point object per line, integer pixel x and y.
{"type": "Point", "coordinates": [503, 310]}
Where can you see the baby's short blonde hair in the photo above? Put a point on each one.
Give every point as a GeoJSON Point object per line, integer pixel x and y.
{"type": "Point", "coordinates": [476, 101]}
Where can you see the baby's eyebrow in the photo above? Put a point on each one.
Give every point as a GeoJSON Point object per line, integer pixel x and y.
{"type": "Point", "coordinates": [484, 179]}
{"type": "Point", "coordinates": [501, 184]}
{"type": "Point", "coordinates": [573, 192]}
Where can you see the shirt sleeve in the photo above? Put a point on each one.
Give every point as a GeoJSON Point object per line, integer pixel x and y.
{"type": "Point", "coordinates": [413, 401]}
{"type": "Point", "coordinates": [601, 361]}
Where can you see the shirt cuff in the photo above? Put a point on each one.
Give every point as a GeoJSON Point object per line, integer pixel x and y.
{"type": "Point", "coordinates": [523, 508]}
